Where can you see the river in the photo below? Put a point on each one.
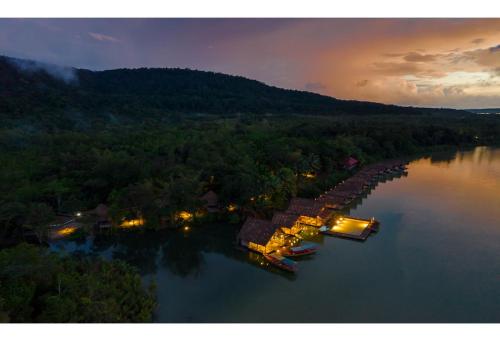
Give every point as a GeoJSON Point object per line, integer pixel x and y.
{"type": "Point", "coordinates": [436, 258]}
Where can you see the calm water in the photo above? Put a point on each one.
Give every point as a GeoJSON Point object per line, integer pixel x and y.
{"type": "Point", "coordinates": [436, 258]}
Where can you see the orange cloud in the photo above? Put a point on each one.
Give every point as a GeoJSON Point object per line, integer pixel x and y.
{"type": "Point", "coordinates": [430, 63]}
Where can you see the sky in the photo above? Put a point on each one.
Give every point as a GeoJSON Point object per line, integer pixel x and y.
{"type": "Point", "coordinates": [419, 62]}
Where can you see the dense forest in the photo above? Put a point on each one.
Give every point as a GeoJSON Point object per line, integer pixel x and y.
{"type": "Point", "coordinates": [256, 163]}
{"type": "Point", "coordinates": [41, 287]}
{"type": "Point", "coordinates": [45, 95]}
{"type": "Point", "coordinates": [148, 143]}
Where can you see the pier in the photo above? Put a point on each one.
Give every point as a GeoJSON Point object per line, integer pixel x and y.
{"type": "Point", "coordinates": [280, 237]}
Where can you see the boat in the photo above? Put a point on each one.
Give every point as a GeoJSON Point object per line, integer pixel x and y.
{"type": "Point", "coordinates": [374, 225]}
{"type": "Point", "coordinates": [303, 249]}
{"type": "Point", "coordinates": [281, 262]}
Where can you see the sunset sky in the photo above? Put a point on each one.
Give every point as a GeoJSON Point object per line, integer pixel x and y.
{"type": "Point", "coordinates": [421, 62]}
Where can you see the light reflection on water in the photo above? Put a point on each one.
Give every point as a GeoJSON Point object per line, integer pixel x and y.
{"type": "Point", "coordinates": [435, 259]}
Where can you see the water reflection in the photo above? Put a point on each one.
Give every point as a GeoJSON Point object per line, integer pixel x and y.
{"type": "Point", "coordinates": [435, 258]}
{"type": "Point", "coordinates": [358, 201]}
{"type": "Point", "coordinates": [183, 255]}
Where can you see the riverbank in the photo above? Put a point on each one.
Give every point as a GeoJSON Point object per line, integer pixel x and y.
{"type": "Point", "coordinates": [430, 249]}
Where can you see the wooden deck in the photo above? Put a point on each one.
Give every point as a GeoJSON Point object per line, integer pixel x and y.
{"type": "Point", "coordinates": [359, 237]}
{"type": "Point", "coordinates": [351, 228]}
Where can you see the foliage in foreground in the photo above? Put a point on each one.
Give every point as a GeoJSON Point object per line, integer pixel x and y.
{"type": "Point", "coordinates": [39, 286]}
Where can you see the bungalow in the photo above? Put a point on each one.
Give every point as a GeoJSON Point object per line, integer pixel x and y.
{"type": "Point", "coordinates": [63, 226]}
{"type": "Point", "coordinates": [211, 201]}
{"type": "Point", "coordinates": [287, 222]}
{"type": "Point", "coordinates": [308, 211]}
{"type": "Point", "coordinates": [260, 235]}
{"type": "Point", "coordinates": [101, 213]}
{"type": "Point", "coordinates": [332, 201]}
{"type": "Point", "coordinates": [350, 163]}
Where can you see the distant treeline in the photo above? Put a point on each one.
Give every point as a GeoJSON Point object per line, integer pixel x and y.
{"type": "Point", "coordinates": [485, 111]}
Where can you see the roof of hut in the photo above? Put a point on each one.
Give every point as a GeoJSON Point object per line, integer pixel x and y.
{"type": "Point", "coordinates": [350, 162]}
{"type": "Point", "coordinates": [257, 231]}
{"type": "Point", "coordinates": [210, 198]}
{"type": "Point", "coordinates": [101, 211]}
{"type": "Point", "coordinates": [284, 219]}
{"type": "Point", "coordinates": [324, 213]}
{"type": "Point", "coordinates": [304, 206]}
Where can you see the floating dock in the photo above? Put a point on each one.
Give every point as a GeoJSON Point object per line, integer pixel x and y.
{"type": "Point", "coordinates": [270, 237]}
{"type": "Point", "coordinates": [351, 228]}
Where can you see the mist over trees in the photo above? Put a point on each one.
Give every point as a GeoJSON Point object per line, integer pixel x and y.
{"type": "Point", "coordinates": [148, 143]}
{"type": "Point", "coordinates": [58, 97]}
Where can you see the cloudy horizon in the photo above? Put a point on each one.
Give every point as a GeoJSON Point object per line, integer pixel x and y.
{"type": "Point", "coordinates": [420, 62]}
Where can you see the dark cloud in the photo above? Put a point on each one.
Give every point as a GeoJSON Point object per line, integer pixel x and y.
{"type": "Point", "coordinates": [494, 49]}
{"type": "Point", "coordinates": [362, 83]}
{"type": "Point", "coordinates": [417, 69]}
{"type": "Point", "coordinates": [315, 87]}
{"type": "Point", "coordinates": [477, 41]}
{"type": "Point", "coordinates": [453, 90]}
{"type": "Point", "coordinates": [396, 68]}
{"type": "Point", "coordinates": [416, 57]}
{"type": "Point", "coordinates": [393, 54]}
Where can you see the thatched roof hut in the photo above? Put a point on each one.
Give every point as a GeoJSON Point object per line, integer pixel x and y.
{"type": "Point", "coordinates": [102, 212]}
{"type": "Point", "coordinates": [283, 219]}
{"type": "Point", "coordinates": [350, 163]}
{"type": "Point", "coordinates": [257, 231]}
{"type": "Point", "coordinates": [304, 206]}
{"type": "Point", "coordinates": [211, 201]}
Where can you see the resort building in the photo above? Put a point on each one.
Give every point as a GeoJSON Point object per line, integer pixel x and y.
{"type": "Point", "coordinates": [102, 218]}
{"type": "Point", "coordinates": [210, 201]}
{"type": "Point", "coordinates": [261, 236]}
{"type": "Point", "coordinates": [309, 212]}
{"type": "Point", "coordinates": [63, 226]}
{"type": "Point", "coordinates": [350, 163]}
{"type": "Point", "coordinates": [334, 202]}
{"type": "Point", "coordinates": [286, 222]}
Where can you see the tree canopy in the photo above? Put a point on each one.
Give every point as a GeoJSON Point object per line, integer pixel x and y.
{"type": "Point", "coordinates": [39, 286]}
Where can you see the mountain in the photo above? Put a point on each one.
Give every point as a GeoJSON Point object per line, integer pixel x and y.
{"type": "Point", "coordinates": [34, 90]}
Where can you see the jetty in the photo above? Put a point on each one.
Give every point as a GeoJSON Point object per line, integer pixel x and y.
{"type": "Point", "coordinates": [279, 238]}
{"type": "Point", "coordinates": [350, 227]}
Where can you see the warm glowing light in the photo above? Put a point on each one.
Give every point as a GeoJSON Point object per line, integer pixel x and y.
{"type": "Point", "coordinates": [350, 225]}
{"type": "Point", "coordinates": [186, 228]}
{"type": "Point", "coordinates": [232, 207]}
{"type": "Point", "coordinates": [78, 213]}
{"type": "Point", "coordinates": [132, 223]}
{"type": "Point", "coordinates": [66, 231]}
{"type": "Point", "coordinates": [309, 174]}
{"type": "Point", "coordinates": [185, 215]}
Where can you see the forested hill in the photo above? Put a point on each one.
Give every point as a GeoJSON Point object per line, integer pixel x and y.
{"type": "Point", "coordinates": [30, 89]}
